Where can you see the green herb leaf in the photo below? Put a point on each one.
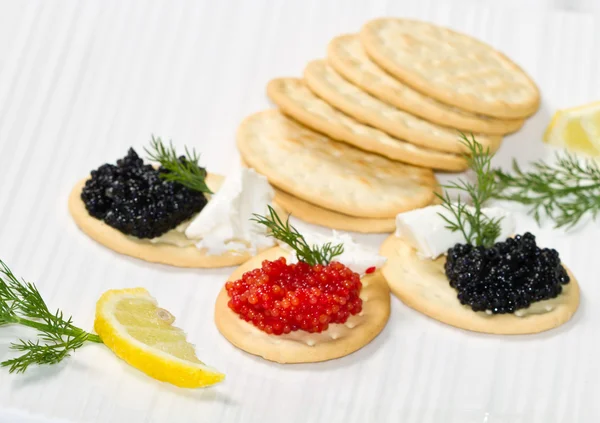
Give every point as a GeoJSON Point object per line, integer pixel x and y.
{"type": "Point", "coordinates": [564, 191]}
{"type": "Point", "coordinates": [21, 303]}
{"type": "Point", "coordinates": [476, 228]}
{"type": "Point", "coordinates": [183, 170]}
{"type": "Point", "coordinates": [287, 233]}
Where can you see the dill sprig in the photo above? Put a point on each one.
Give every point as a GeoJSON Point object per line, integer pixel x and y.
{"type": "Point", "coordinates": [287, 233]}
{"type": "Point", "coordinates": [470, 221]}
{"type": "Point", "coordinates": [21, 303]}
{"type": "Point", "coordinates": [564, 191]}
{"type": "Point", "coordinates": [184, 170]}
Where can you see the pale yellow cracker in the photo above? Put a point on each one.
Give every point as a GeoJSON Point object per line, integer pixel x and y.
{"type": "Point", "coordinates": [188, 256]}
{"type": "Point", "coordinates": [352, 100]}
{"type": "Point", "coordinates": [295, 99]}
{"type": "Point", "coordinates": [337, 341]}
{"type": "Point", "coordinates": [331, 174]}
{"type": "Point", "coordinates": [422, 284]}
{"type": "Point", "coordinates": [347, 56]}
{"type": "Point", "coordinates": [316, 215]}
{"type": "Point", "coordinates": [330, 219]}
{"type": "Point", "coordinates": [451, 67]}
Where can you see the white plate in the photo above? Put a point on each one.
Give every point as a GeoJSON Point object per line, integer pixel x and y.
{"type": "Point", "coordinates": [80, 82]}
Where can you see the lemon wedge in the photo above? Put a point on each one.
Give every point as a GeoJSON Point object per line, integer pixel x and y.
{"type": "Point", "coordinates": [576, 129]}
{"type": "Point", "coordinates": [131, 324]}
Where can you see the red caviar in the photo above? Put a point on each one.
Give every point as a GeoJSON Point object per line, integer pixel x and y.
{"type": "Point", "coordinates": [280, 298]}
{"type": "Point", "coordinates": [370, 270]}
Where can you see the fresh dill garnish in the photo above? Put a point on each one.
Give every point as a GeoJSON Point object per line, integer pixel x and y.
{"type": "Point", "coordinates": [564, 191]}
{"type": "Point", "coordinates": [184, 170]}
{"type": "Point", "coordinates": [22, 304]}
{"type": "Point", "coordinates": [287, 233]}
{"type": "Point", "coordinates": [470, 221]}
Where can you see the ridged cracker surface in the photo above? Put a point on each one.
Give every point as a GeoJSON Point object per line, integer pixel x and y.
{"type": "Point", "coordinates": [348, 57]}
{"type": "Point", "coordinates": [188, 256]}
{"type": "Point", "coordinates": [451, 67]}
{"type": "Point", "coordinates": [354, 101]}
{"type": "Point", "coordinates": [422, 284]}
{"type": "Point", "coordinates": [295, 99]}
{"type": "Point", "coordinates": [337, 341]}
{"type": "Point", "coordinates": [330, 219]}
{"type": "Point", "coordinates": [328, 173]}
{"type": "Point", "coordinates": [316, 215]}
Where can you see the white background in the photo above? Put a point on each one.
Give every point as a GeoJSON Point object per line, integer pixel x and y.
{"type": "Point", "coordinates": [80, 82]}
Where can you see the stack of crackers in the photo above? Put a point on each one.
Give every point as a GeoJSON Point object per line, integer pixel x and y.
{"type": "Point", "coordinates": [356, 140]}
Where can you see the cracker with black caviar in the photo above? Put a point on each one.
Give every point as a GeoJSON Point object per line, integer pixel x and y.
{"type": "Point", "coordinates": [483, 284]}
{"type": "Point", "coordinates": [139, 210]}
{"type": "Point", "coordinates": [422, 284]}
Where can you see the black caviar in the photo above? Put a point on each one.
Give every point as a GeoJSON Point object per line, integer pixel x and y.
{"type": "Point", "coordinates": [506, 277]}
{"type": "Point", "coordinates": [133, 198]}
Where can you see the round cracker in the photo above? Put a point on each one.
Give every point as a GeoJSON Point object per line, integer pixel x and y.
{"type": "Point", "coordinates": [337, 341]}
{"type": "Point", "coordinates": [422, 285]}
{"type": "Point", "coordinates": [330, 219]}
{"type": "Point", "coordinates": [325, 82]}
{"type": "Point", "coordinates": [189, 256]}
{"type": "Point", "coordinates": [316, 215]}
{"type": "Point", "coordinates": [331, 174]}
{"type": "Point", "coordinates": [295, 99]}
{"type": "Point", "coordinates": [347, 56]}
{"type": "Point", "coordinates": [451, 67]}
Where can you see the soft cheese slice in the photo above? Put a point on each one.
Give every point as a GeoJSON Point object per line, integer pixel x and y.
{"type": "Point", "coordinates": [356, 257]}
{"type": "Point", "coordinates": [225, 225]}
{"type": "Point", "coordinates": [425, 230]}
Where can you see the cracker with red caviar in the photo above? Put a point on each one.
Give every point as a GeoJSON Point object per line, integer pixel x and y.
{"type": "Point", "coordinates": [314, 310]}
{"type": "Point", "coordinates": [338, 340]}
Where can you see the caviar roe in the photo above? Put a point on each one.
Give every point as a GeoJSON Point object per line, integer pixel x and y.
{"type": "Point", "coordinates": [279, 298]}
{"type": "Point", "coordinates": [133, 198]}
{"type": "Point", "coordinates": [506, 277]}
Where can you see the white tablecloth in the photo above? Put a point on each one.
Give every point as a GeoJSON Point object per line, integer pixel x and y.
{"type": "Point", "coordinates": [80, 82]}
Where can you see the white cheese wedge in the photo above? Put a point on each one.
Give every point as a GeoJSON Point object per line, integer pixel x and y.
{"type": "Point", "coordinates": [224, 223]}
{"type": "Point", "coordinates": [426, 230]}
{"type": "Point", "coordinates": [356, 257]}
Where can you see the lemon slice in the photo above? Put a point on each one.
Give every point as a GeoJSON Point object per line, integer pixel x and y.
{"type": "Point", "coordinates": [576, 129]}
{"type": "Point", "coordinates": [132, 325]}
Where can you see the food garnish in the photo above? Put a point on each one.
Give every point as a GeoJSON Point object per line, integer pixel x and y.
{"type": "Point", "coordinates": [22, 304]}
{"type": "Point", "coordinates": [287, 233]}
{"type": "Point", "coordinates": [132, 325]}
{"type": "Point", "coordinates": [564, 191]}
{"type": "Point", "coordinates": [184, 170]}
{"type": "Point", "coordinates": [475, 226]}
{"type": "Point", "coordinates": [427, 229]}
{"type": "Point", "coordinates": [577, 129]}
{"type": "Point", "coordinates": [128, 321]}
